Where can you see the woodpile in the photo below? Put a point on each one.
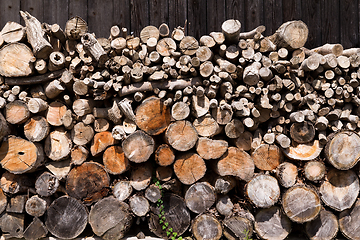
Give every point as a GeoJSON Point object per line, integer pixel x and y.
{"type": "Point", "coordinates": [234, 134]}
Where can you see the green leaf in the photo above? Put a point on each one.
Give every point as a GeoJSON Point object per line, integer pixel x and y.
{"type": "Point", "coordinates": [170, 229]}
{"type": "Point", "coordinates": [173, 238]}
{"type": "Point", "coordinates": [163, 218]}
{"type": "Point", "coordinates": [166, 224]}
{"type": "Point", "coordinates": [168, 233]}
{"type": "Point", "coordinates": [163, 227]}
{"type": "Point", "coordinates": [161, 221]}
{"type": "Point", "coordinates": [175, 234]}
{"type": "Point", "coordinates": [180, 238]}
{"type": "Point", "coordinates": [162, 213]}
{"type": "Point", "coordinates": [159, 215]}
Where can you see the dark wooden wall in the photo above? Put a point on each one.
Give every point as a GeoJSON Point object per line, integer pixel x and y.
{"type": "Point", "coordinates": [329, 21]}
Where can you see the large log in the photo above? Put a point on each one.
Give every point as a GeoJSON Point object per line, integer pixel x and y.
{"type": "Point", "coordinates": [291, 35]}
{"type": "Point", "coordinates": [237, 227]}
{"type": "Point", "coordinates": [326, 226]}
{"type": "Point", "coordinates": [212, 231]}
{"type": "Point", "coordinates": [189, 168]}
{"type": "Point", "coordinates": [263, 190]}
{"type": "Point", "coordinates": [115, 161]}
{"type": "Point", "coordinates": [200, 197]}
{"type": "Point", "coordinates": [349, 221]}
{"type": "Point", "coordinates": [138, 146]}
{"type": "Point", "coordinates": [181, 135]}
{"type": "Point", "coordinates": [267, 157]}
{"type": "Point", "coordinates": [16, 60]}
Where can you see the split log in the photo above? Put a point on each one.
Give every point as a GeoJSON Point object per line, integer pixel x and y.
{"type": "Point", "coordinates": [17, 112]}
{"type": "Point", "coordinates": [16, 204]}
{"type": "Point", "coordinates": [122, 190]}
{"type": "Point", "coordinates": [75, 27]}
{"type": "Point", "coordinates": [36, 36]}
{"type": "Point", "coordinates": [349, 223]}
{"type": "Point", "coordinates": [286, 174]}
{"type": "Point", "coordinates": [206, 126]}
{"type": "Point", "coordinates": [200, 106]}
{"type": "Point", "coordinates": [13, 32]}
{"type": "Point", "coordinates": [36, 206]}
{"type": "Point", "coordinates": [291, 35]}
{"type": "Point", "coordinates": [35, 230]}
{"type": "Point", "coordinates": [12, 225]}
{"type": "Point", "coordinates": [200, 197]}
{"type": "Point", "coordinates": [140, 176]}
{"type": "Point", "coordinates": [189, 168]}
{"type": "Point", "coordinates": [272, 224]}
{"type": "Point", "coordinates": [101, 141]}
{"type": "Point", "coordinates": [267, 157]}
{"type": "Point", "coordinates": [88, 182]}
{"type": "Point", "coordinates": [55, 113]}
{"type": "Point", "coordinates": [301, 204]}
{"type": "Point", "coordinates": [324, 227]}
{"type": "Point", "coordinates": [115, 161]}
{"type": "Point", "coordinates": [223, 114]}
{"type": "Point", "coordinates": [237, 227]}
{"type": "Point", "coordinates": [152, 116]}
{"type": "Point", "coordinates": [82, 134]}
{"type": "Point", "coordinates": [340, 190]}
{"type": "Point", "coordinates": [58, 145]}
{"type": "Point", "coordinates": [138, 146]}
{"type": "Point", "coordinates": [212, 231]}
{"type": "Point", "coordinates": [66, 217]}
{"type": "Point", "coordinates": [164, 155]}
{"type": "Point", "coordinates": [18, 155]}
{"type": "Point", "coordinates": [139, 205]}
{"type": "Point", "coordinates": [211, 149]}
{"type": "Point", "coordinates": [176, 214]}
{"type": "Point", "coordinates": [60, 169]}
{"type": "Point", "coordinates": [303, 132]}
{"type": "Point", "coordinates": [340, 149]}
{"type": "Point", "coordinates": [304, 152]}
{"type": "Point", "coordinates": [314, 170]}
{"type": "Point", "coordinates": [110, 218]}
{"type": "Point", "coordinates": [46, 184]}
{"type": "Point", "coordinates": [263, 190]}
{"type": "Point", "coordinates": [237, 163]}
{"type": "Point", "coordinates": [181, 135]}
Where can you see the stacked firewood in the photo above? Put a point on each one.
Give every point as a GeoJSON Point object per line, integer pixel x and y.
{"type": "Point", "coordinates": [234, 134]}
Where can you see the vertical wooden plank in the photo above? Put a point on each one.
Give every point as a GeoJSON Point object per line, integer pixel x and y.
{"type": "Point", "coordinates": [254, 13]}
{"type": "Point", "coordinates": [349, 22]}
{"type": "Point", "coordinates": [34, 7]}
{"type": "Point", "coordinates": [197, 18]}
{"type": "Point", "coordinates": [159, 12]}
{"type": "Point", "coordinates": [272, 16]}
{"type": "Point", "coordinates": [139, 15]}
{"type": "Point", "coordinates": [291, 10]}
{"type": "Point", "coordinates": [100, 14]}
{"type": "Point", "coordinates": [330, 21]}
{"type": "Point", "coordinates": [311, 16]}
{"type": "Point", "coordinates": [122, 14]}
{"type": "Point", "coordinates": [9, 11]}
{"type": "Point", "coordinates": [177, 13]}
{"type": "Point", "coordinates": [216, 14]}
{"type": "Point", "coordinates": [56, 11]}
{"type": "Point", "coordinates": [236, 10]}
{"type": "Point", "coordinates": [78, 8]}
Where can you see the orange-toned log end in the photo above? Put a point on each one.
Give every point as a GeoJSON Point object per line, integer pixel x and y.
{"type": "Point", "coordinates": [164, 155]}
{"type": "Point", "coordinates": [152, 116]}
{"type": "Point", "coordinates": [181, 135]}
{"type": "Point", "coordinates": [18, 155]}
{"type": "Point", "coordinates": [17, 112]}
{"type": "Point", "coordinates": [189, 168]}
{"type": "Point", "coordinates": [101, 141]}
{"type": "Point", "coordinates": [211, 149]}
{"type": "Point", "coordinates": [55, 113]}
{"type": "Point", "coordinates": [267, 157]}
{"type": "Point", "coordinates": [237, 163]}
{"type": "Point", "coordinates": [88, 182]}
{"type": "Point", "coordinates": [304, 152]}
{"type": "Point", "coordinates": [115, 161]}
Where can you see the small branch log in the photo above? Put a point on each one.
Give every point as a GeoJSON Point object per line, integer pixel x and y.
{"type": "Point", "coordinates": [34, 79]}
{"type": "Point", "coordinates": [286, 174]}
{"type": "Point", "coordinates": [93, 46]}
{"type": "Point", "coordinates": [314, 170]}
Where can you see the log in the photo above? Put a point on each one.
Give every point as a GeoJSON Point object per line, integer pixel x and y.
{"type": "Point", "coordinates": [75, 27]}
{"type": "Point", "coordinates": [115, 161]}
{"type": "Point", "coordinates": [189, 45]}
{"type": "Point", "coordinates": [234, 129]}
{"type": "Point", "coordinates": [336, 49]}
{"type": "Point", "coordinates": [206, 126]}
{"type": "Point", "coordinates": [12, 225]}
{"type": "Point", "coordinates": [251, 74]}
{"type": "Point", "coordinates": [340, 190]}
{"type": "Point", "coordinates": [301, 204]}
{"type": "Point", "coordinates": [122, 190]}
{"type": "Point", "coordinates": [164, 155]}
{"type": "Point", "coordinates": [348, 222]}
{"type": "Point", "coordinates": [16, 60]}
{"type": "Point", "coordinates": [88, 182]}
{"type": "Point", "coordinates": [304, 152]}
{"type": "Point", "coordinates": [139, 205]}
{"type": "Point", "coordinates": [224, 184]}
{"type": "Point", "coordinates": [180, 111]}
{"type": "Point", "coordinates": [340, 149]}
{"type": "Point", "coordinates": [35, 230]}
{"type": "Point", "coordinates": [36, 105]}
{"type": "Point", "coordinates": [58, 145]}
{"type": "Point", "coordinates": [55, 113]}
{"type": "Point", "coordinates": [17, 112]}
{"type": "Point", "coordinates": [231, 30]}
{"type": "Point", "coordinates": [66, 217]}
{"type": "Point", "coordinates": [18, 80]}
{"type": "Point", "coordinates": [18, 155]}
{"type": "Point", "coordinates": [211, 149]}
{"type": "Point", "coordinates": [263, 190]}
{"type": "Point", "coordinates": [181, 135]}
{"type": "Point", "coordinates": [15, 183]}
{"type": "Point", "coordinates": [4, 127]}
{"type": "Point", "coordinates": [46, 184]}
{"type": "Point", "coordinates": [200, 197]}
{"type": "Point", "coordinates": [92, 45]}
{"type": "Point", "coordinates": [13, 32]}
{"type": "Point", "coordinates": [200, 106]}
{"type": "Point", "coordinates": [101, 141]}
{"type": "Point", "coordinates": [36, 206]}
{"type": "Point", "coordinates": [272, 224]}
{"type": "Point", "coordinates": [138, 146]}
{"type": "Point", "coordinates": [267, 157]}
{"type": "Point", "coordinates": [189, 168]}
{"type": "Point", "coordinates": [164, 30]}
{"type": "Point", "coordinates": [140, 176]}
{"type": "Point", "coordinates": [153, 193]}
{"type": "Point", "coordinates": [60, 169]}
{"type": "Point", "coordinates": [110, 218]}
{"type": "Point", "coordinates": [36, 36]}
{"type": "Point", "coordinates": [164, 174]}
{"type": "Point", "coordinates": [326, 226]}
{"type": "Point", "coordinates": [82, 134]}
{"type": "Point", "coordinates": [235, 162]}
{"type": "Point", "coordinates": [165, 46]}
{"type": "Point", "coordinates": [224, 205]}
{"type": "Point", "coordinates": [290, 35]}
{"type": "Point", "coordinates": [176, 214]}
{"type": "Point", "coordinates": [314, 170]}
{"type": "Point", "coordinates": [3, 200]}
{"type": "Point", "coordinates": [212, 231]}
{"type": "Point", "coordinates": [286, 174]}
{"type": "Point", "coordinates": [16, 204]}
{"type": "Point", "coordinates": [101, 125]}
{"type": "Point", "coordinates": [223, 114]}
{"type": "Point", "coordinates": [237, 227]}
{"type": "Point", "coordinates": [303, 132]}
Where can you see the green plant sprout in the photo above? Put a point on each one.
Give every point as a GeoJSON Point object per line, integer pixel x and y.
{"type": "Point", "coordinates": [247, 232]}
